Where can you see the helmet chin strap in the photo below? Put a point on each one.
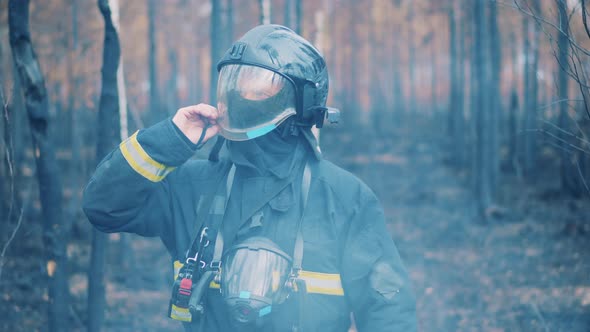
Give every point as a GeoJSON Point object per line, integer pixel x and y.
{"type": "Point", "coordinates": [289, 127]}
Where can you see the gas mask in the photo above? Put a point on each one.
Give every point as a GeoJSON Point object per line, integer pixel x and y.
{"type": "Point", "coordinates": [254, 278]}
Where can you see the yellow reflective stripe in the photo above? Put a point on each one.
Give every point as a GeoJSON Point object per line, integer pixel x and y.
{"type": "Point", "coordinates": [181, 314]}
{"type": "Point", "coordinates": [177, 266]}
{"type": "Point", "coordinates": [141, 162]}
{"type": "Point", "coordinates": [322, 283]}
{"type": "Point", "coordinates": [315, 282]}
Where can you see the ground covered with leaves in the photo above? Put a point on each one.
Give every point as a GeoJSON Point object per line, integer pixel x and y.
{"type": "Point", "coordinates": [523, 268]}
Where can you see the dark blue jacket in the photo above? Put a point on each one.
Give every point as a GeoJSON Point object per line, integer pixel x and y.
{"type": "Point", "coordinates": [148, 186]}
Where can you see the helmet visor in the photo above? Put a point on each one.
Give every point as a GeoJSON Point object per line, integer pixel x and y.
{"type": "Point", "coordinates": [250, 272]}
{"type": "Point", "coordinates": [252, 101]}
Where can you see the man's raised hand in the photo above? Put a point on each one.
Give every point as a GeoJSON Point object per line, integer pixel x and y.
{"type": "Point", "coordinates": [191, 120]}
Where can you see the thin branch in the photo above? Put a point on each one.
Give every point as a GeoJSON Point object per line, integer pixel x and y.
{"type": "Point", "coordinates": [566, 132]}
{"type": "Point", "coordinates": [572, 44]}
{"type": "Point", "coordinates": [14, 231]}
{"type": "Point", "coordinates": [559, 147]}
{"type": "Point", "coordinates": [557, 102]}
{"type": "Point", "coordinates": [540, 19]}
{"type": "Point", "coordinates": [559, 139]}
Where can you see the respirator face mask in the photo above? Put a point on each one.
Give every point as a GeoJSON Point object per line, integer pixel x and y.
{"type": "Point", "coordinates": [253, 279]}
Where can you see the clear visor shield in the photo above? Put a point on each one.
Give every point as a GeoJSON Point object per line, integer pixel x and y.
{"type": "Point", "coordinates": [255, 273]}
{"type": "Point", "coordinates": [252, 101]}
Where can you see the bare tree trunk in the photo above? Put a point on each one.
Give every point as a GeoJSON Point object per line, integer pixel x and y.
{"type": "Point", "coordinates": [397, 83]}
{"type": "Point", "coordinates": [265, 11]}
{"type": "Point", "coordinates": [495, 94]}
{"type": "Point", "coordinates": [108, 137]}
{"type": "Point", "coordinates": [526, 96]}
{"type": "Point", "coordinates": [531, 94]}
{"type": "Point", "coordinates": [6, 155]}
{"type": "Point", "coordinates": [55, 229]}
{"type": "Point", "coordinates": [172, 93]}
{"type": "Point", "coordinates": [195, 94]}
{"type": "Point", "coordinates": [298, 16]}
{"type": "Point", "coordinates": [480, 109]}
{"type": "Point", "coordinates": [21, 143]}
{"type": "Point", "coordinates": [376, 111]}
{"type": "Point", "coordinates": [454, 133]}
{"type": "Point", "coordinates": [229, 23]}
{"type": "Point", "coordinates": [287, 13]}
{"type": "Point", "coordinates": [155, 112]}
{"type": "Point", "coordinates": [412, 104]}
{"type": "Point", "coordinates": [75, 146]}
{"type": "Point", "coordinates": [126, 257]}
{"type": "Point", "coordinates": [513, 114]}
{"type": "Point", "coordinates": [355, 114]}
{"type": "Point", "coordinates": [567, 173]}
{"type": "Point", "coordinates": [215, 48]}
{"type": "Point", "coordinates": [460, 127]}
{"type": "Point", "coordinates": [433, 79]}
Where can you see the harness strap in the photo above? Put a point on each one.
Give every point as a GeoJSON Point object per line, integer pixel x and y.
{"type": "Point", "coordinates": [298, 251]}
{"type": "Point", "coordinates": [214, 154]}
{"type": "Point", "coordinates": [218, 250]}
{"type": "Point", "coordinates": [202, 216]}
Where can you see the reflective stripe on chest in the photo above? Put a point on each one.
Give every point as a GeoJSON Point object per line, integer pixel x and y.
{"type": "Point", "coordinates": [315, 282]}
{"type": "Point", "coordinates": [322, 283]}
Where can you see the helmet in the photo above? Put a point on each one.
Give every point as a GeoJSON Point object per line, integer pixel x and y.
{"type": "Point", "coordinates": [253, 279]}
{"type": "Point", "coordinates": [267, 76]}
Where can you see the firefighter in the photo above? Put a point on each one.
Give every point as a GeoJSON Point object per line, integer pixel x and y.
{"type": "Point", "coordinates": [273, 237]}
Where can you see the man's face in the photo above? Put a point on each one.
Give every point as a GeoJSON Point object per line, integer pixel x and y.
{"type": "Point", "coordinates": [253, 86]}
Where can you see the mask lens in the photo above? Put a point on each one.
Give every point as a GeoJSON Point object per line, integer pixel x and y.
{"type": "Point", "coordinates": [255, 273]}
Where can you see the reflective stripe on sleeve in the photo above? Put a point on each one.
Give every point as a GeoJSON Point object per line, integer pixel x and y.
{"type": "Point", "coordinates": [141, 162]}
{"type": "Point", "coordinates": [322, 283]}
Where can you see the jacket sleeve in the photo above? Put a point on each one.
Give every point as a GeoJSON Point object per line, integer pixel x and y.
{"type": "Point", "coordinates": [375, 281]}
{"type": "Point", "coordinates": [129, 192]}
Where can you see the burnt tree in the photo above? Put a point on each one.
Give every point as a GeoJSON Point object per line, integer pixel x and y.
{"type": "Point", "coordinates": [55, 229]}
{"type": "Point", "coordinates": [108, 138]}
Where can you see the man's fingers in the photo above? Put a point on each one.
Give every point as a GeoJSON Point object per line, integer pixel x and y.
{"type": "Point", "coordinates": [211, 132]}
{"type": "Point", "coordinates": [201, 110]}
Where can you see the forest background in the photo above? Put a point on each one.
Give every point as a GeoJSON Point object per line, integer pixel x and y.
{"type": "Point", "coordinates": [494, 93]}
